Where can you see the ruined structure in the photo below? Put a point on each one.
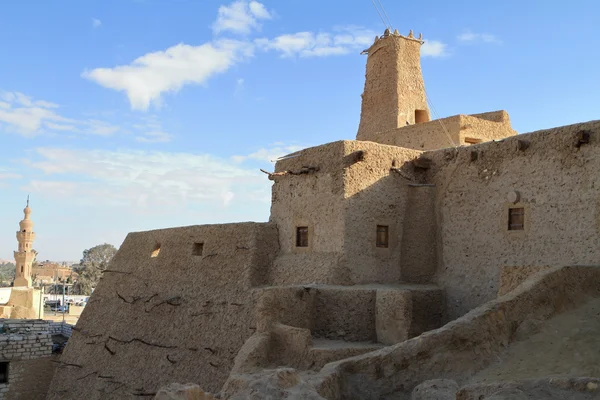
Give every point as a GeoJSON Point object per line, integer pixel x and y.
{"type": "Point", "coordinates": [26, 359]}
{"type": "Point", "coordinates": [382, 265]}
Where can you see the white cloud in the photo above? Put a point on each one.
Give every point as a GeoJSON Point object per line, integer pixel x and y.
{"type": "Point", "coordinates": [144, 179]}
{"type": "Point", "coordinates": [96, 22]}
{"type": "Point", "coordinates": [26, 116]}
{"type": "Point", "coordinates": [154, 137]}
{"type": "Point", "coordinates": [9, 175]}
{"type": "Point", "coordinates": [272, 153]}
{"type": "Point", "coordinates": [310, 44]}
{"type": "Point", "coordinates": [147, 77]}
{"type": "Point", "coordinates": [433, 48]}
{"type": "Point", "coordinates": [150, 130]}
{"type": "Point", "coordinates": [470, 37]}
{"type": "Point", "coordinates": [240, 17]}
{"type": "Point", "coordinates": [61, 127]}
{"type": "Point", "coordinates": [23, 115]}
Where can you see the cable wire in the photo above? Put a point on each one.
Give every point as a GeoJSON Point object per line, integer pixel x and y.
{"type": "Point", "coordinates": [380, 16]}
{"type": "Point", "coordinates": [386, 15]}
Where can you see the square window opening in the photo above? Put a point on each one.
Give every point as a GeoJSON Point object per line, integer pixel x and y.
{"type": "Point", "coordinates": [198, 249]}
{"type": "Point", "coordinates": [516, 219]}
{"type": "Point", "coordinates": [421, 116]}
{"type": "Point", "coordinates": [4, 371]}
{"type": "Point", "coordinates": [302, 236]}
{"type": "Point", "coordinates": [383, 236]}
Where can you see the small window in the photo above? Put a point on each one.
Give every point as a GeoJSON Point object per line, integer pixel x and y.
{"type": "Point", "coordinates": [421, 116]}
{"type": "Point", "coordinates": [198, 249]}
{"type": "Point", "coordinates": [156, 250]}
{"type": "Point", "coordinates": [4, 372]}
{"type": "Point", "coordinates": [21, 269]}
{"type": "Point", "coordinates": [302, 236]}
{"type": "Point", "coordinates": [383, 236]}
{"type": "Point", "coordinates": [516, 219]}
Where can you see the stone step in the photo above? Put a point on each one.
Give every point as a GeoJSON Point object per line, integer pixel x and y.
{"type": "Point", "coordinates": [324, 351]}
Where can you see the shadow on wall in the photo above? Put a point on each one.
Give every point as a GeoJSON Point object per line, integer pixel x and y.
{"type": "Point", "coordinates": [352, 209]}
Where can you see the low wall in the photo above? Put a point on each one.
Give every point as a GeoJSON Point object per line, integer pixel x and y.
{"type": "Point", "coordinates": [60, 328]}
{"type": "Point", "coordinates": [512, 276]}
{"type": "Point", "coordinates": [26, 352]}
{"type": "Point", "coordinates": [24, 303]}
{"type": "Point", "coordinates": [464, 346]}
{"type": "Point", "coordinates": [175, 306]}
{"type": "Point", "coordinates": [449, 132]}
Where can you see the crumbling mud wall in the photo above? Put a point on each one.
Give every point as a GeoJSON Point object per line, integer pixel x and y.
{"type": "Point", "coordinates": [550, 175]}
{"type": "Point", "coordinates": [341, 192]}
{"type": "Point", "coordinates": [26, 352]}
{"type": "Point", "coordinates": [24, 303]}
{"type": "Point", "coordinates": [175, 306]}
{"type": "Point", "coordinates": [375, 194]}
{"type": "Point", "coordinates": [449, 132]}
{"type": "Point", "coordinates": [309, 194]}
{"type": "Point", "coordinates": [464, 346]}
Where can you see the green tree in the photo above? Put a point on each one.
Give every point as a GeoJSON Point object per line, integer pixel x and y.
{"type": "Point", "coordinates": [94, 261]}
{"type": "Point", "coordinates": [7, 274]}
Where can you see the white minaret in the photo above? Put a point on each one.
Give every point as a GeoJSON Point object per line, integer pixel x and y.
{"type": "Point", "coordinates": [26, 255]}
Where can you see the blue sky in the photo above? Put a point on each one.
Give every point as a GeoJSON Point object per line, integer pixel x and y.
{"type": "Point", "coordinates": [129, 115]}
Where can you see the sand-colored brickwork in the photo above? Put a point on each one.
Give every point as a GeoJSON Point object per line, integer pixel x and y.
{"type": "Point", "coordinates": [555, 179]}
{"type": "Point", "coordinates": [370, 243]}
{"type": "Point", "coordinates": [394, 87]}
{"type": "Point", "coordinates": [179, 316]}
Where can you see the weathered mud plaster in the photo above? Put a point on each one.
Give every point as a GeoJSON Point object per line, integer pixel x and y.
{"type": "Point", "coordinates": [174, 317]}
{"type": "Point", "coordinates": [462, 347]}
{"type": "Point", "coordinates": [341, 204]}
{"type": "Point", "coordinates": [557, 185]}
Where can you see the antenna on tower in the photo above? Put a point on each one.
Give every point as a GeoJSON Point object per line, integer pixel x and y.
{"type": "Point", "coordinates": [27, 200]}
{"type": "Point", "coordinates": [386, 21]}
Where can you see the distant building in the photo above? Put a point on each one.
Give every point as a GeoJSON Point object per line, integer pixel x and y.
{"type": "Point", "coordinates": [50, 272]}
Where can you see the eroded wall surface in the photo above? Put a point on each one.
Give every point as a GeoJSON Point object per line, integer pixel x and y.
{"type": "Point", "coordinates": [420, 239]}
{"type": "Point", "coordinates": [313, 200]}
{"type": "Point", "coordinates": [375, 195]}
{"type": "Point", "coordinates": [394, 86]}
{"type": "Point", "coordinates": [448, 132]}
{"type": "Point", "coordinates": [26, 346]}
{"type": "Point", "coordinates": [180, 316]}
{"type": "Point", "coordinates": [24, 303]}
{"type": "Point", "coordinates": [551, 174]}
{"type": "Point", "coordinates": [351, 191]}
